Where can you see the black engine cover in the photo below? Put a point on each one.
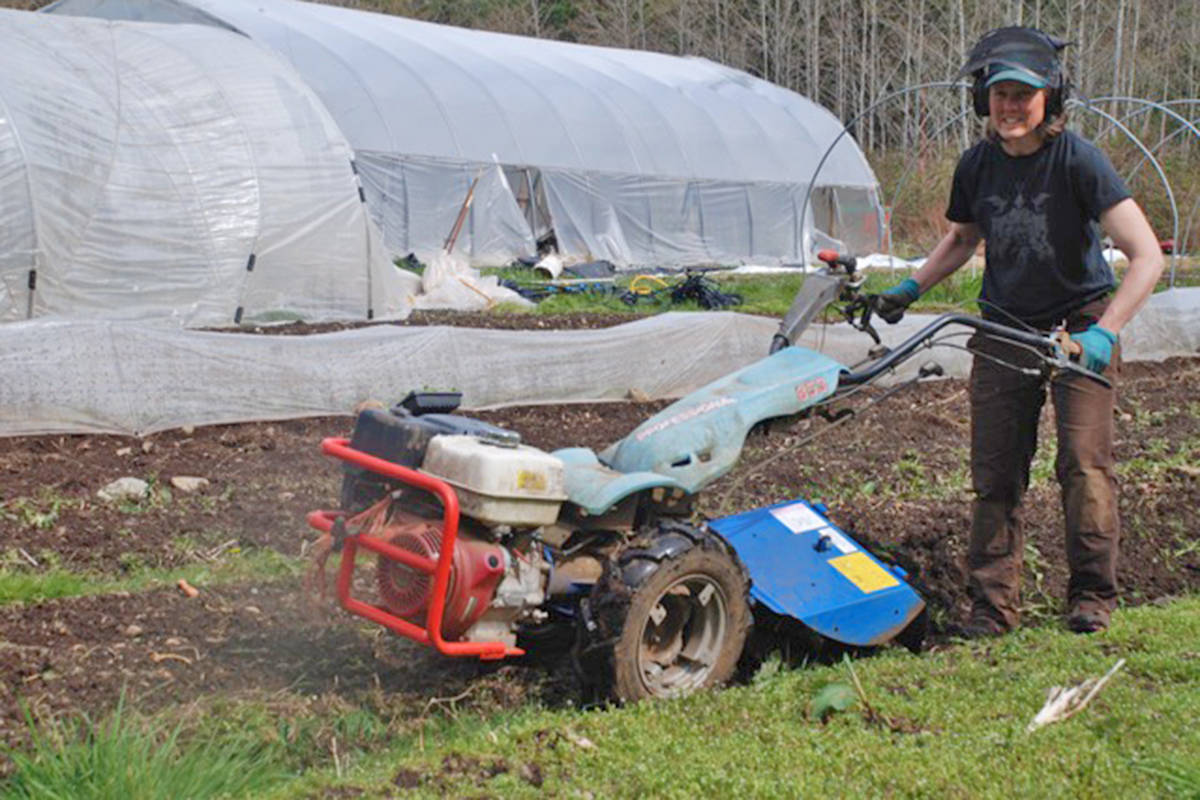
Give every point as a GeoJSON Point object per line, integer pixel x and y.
{"type": "Point", "coordinates": [401, 438]}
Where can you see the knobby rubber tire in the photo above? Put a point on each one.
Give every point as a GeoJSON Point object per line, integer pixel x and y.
{"type": "Point", "coordinates": [660, 566]}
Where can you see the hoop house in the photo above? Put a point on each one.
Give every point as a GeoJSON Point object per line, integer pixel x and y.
{"type": "Point", "coordinates": [179, 172]}
{"type": "Point", "coordinates": [636, 157]}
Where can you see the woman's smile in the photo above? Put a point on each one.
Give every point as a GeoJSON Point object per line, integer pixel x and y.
{"type": "Point", "coordinates": [1017, 109]}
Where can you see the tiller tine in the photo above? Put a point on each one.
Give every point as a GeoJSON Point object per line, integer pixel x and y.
{"type": "Point", "coordinates": [316, 585]}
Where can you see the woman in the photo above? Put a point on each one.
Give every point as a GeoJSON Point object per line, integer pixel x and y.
{"type": "Point", "coordinates": [1035, 193]}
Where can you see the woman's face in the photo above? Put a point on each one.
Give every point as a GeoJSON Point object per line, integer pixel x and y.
{"type": "Point", "coordinates": [1016, 110]}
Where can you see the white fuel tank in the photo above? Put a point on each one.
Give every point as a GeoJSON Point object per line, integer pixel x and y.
{"type": "Point", "coordinates": [499, 484]}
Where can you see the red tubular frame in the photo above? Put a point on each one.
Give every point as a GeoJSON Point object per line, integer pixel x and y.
{"type": "Point", "coordinates": [432, 632]}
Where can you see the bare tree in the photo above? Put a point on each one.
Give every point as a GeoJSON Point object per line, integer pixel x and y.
{"type": "Point", "coordinates": [846, 54]}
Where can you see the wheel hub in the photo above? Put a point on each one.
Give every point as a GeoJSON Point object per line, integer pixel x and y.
{"type": "Point", "coordinates": [682, 636]}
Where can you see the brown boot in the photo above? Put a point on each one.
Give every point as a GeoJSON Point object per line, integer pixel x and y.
{"type": "Point", "coordinates": [978, 626]}
{"type": "Point", "coordinates": [1088, 620]}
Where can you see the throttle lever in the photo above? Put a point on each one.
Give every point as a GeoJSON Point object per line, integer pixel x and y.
{"type": "Point", "coordinates": [832, 257]}
{"type": "Point", "coordinates": [1069, 353]}
{"type": "Point", "coordinates": [1069, 347]}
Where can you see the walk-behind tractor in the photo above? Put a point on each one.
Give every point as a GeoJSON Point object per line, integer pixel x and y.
{"type": "Point", "coordinates": [489, 548]}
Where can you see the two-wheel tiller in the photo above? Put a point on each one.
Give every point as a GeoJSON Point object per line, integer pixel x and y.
{"type": "Point", "coordinates": [487, 547]}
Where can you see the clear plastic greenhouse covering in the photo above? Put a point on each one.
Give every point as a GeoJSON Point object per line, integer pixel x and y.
{"type": "Point", "coordinates": [138, 378]}
{"type": "Point", "coordinates": [176, 171]}
{"type": "Point", "coordinates": [636, 157]}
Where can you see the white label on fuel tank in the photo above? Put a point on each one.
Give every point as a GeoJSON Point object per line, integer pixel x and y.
{"type": "Point", "coordinates": [798, 518]}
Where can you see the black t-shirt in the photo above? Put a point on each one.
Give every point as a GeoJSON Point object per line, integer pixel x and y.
{"type": "Point", "coordinates": [1040, 217]}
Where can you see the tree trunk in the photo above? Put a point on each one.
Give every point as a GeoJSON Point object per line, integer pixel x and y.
{"type": "Point", "coordinates": [964, 129]}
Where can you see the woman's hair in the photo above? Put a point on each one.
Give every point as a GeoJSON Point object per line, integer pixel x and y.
{"type": "Point", "coordinates": [1047, 129]}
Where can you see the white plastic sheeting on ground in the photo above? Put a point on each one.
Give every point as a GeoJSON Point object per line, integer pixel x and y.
{"type": "Point", "coordinates": [139, 378]}
{"type": "Point", "coordinates": [175, 171]}
{"type": "Point", "coordinates": [637, 157]}
{"type": "Point", "coordinates": [1168, 325]}
{"type": "Point", "coordinates": [124, 377]}
{"type": "Point", "coordinates": [449, 282]}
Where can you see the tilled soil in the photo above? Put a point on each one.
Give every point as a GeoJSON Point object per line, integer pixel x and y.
{"type": "Point", "coordinates": [895, 476]}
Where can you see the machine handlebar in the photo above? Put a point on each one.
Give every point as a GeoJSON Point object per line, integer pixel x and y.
{"type": "Point", "coordinates": [856, 307]}
{"type": "Point", "coordinates": [1054, 350]}
{"type": "Point", "coordinates": [1058, 351]}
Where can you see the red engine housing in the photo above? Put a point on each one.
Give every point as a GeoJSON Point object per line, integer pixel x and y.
{"type": "Point", "coordinates": [476, 571]}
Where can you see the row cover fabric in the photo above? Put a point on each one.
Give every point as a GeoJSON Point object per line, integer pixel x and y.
{"type": "Point", "coordinates": [644, 133]}
{"type": "Point", "coordinates": [139, 378]}
{"type": "Point", "coordinates": [136, 378]}
{"type": "Point", "coordinates": [152, 171]}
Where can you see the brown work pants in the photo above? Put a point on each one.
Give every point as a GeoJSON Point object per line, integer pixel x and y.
{"type": "Point", "coordinates": [1005, 407]}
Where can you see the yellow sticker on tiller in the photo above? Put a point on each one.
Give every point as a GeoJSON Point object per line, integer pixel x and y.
{"type": "Point", "coordinates": [864, 573]}
{"type": "Point", "coordinates": [528, 479]}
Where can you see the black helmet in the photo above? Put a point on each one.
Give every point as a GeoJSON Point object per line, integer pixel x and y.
{"type": "Point", "coordinates": [1017, 53]}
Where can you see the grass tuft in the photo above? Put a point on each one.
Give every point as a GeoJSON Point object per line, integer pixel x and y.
{"type": "Point", "coordinates": [21, 585]}
{"type": "Point", "coordinates": [124, 758]}
{"type": "Point", "coordinates": [1182, 780]}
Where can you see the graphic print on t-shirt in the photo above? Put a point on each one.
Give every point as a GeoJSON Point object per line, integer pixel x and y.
{"type": "Point", "coordinates": [1019, 233]}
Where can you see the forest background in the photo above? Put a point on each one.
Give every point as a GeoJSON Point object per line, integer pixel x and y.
{"type": "Point", "coordinates": [848, 55]}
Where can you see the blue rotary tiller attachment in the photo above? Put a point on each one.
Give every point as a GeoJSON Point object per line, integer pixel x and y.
{"type": "Point", "coordinates": [803, 566]}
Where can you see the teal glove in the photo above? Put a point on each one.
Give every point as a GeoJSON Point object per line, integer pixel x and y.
{"type": "Point", "coordinates": [1097, 344]}
{"type": "Point", "coordinates": [891, 303]}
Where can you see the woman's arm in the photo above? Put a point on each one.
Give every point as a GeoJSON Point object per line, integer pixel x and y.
{"type": "Point", "coordinates": [950, 253]}
{"type": "Point", "coordinates": [1131, 233]}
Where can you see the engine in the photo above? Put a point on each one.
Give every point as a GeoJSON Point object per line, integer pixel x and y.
{"type": "Point", "coordinates": [507, 492]}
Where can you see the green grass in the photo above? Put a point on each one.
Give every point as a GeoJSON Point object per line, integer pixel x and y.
{"type": "Point", "coordinates": [20, 585]}
{"type": "Point", "coordinates": [1178, 779]}
{"type": "Point", "coordinates": [761, 294]}
{"type": "Point", "coordinates": [768, 294]}
{"type": "Point", "coordinates": [128, 758]}
{"type": "Point", "coordinates": [947, 724]}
